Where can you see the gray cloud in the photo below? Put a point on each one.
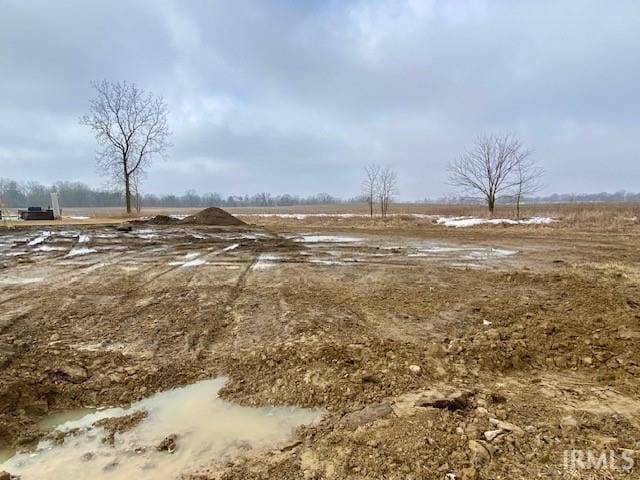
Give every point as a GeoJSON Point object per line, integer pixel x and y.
{"type": "Point", "coordinates": [298, 96]}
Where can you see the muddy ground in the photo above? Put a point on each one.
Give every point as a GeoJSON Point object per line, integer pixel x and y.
{"type": "Point", "coordinates": [435, 352]}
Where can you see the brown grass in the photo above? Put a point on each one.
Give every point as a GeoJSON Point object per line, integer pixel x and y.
{"type": "Point", "coordinates": [581, 215]}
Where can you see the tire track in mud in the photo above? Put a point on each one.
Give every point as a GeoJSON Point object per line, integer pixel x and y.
{"type": "Point", "coordinates": [223, 311]}
{"type": "Point", "coordinates": [171, 268]}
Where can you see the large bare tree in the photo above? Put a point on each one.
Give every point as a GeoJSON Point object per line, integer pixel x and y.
{"type": "Point", "coordinates": [528, 180]}
{"type": "Point", "coordinates": [488, 167]}
{"type": "Point", "coordinates": [131, 128]}
{"type": "Point", "coordinates": [388, 187]}
{"type": "Point", "coordinates": [370, 184]}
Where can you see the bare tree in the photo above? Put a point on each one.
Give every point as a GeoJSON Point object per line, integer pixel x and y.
{"type": "Point", "coordinates": [131, 129]}
{"type": "Point", "coordinates": [370, 184]}
{"type": "Point", "coordinates": [528, 180]}
{"type": "Point", "coordinates": [488, 167]}
{"type": "Point", "coordinates": [388, 187]}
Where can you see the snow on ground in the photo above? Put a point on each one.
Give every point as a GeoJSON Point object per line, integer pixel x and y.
{"type": "Point", "coordinates": [20, 281]}
{"type": "Point", "coordinates": [77, 217]}
{"type": "Point", "coordinates": [326, 239]}
{"type": "Point", "coordinates": [189, 260]}
{"type": "Point", "coordinates": [39, 239]}
{"type": "Point", "coordinates": [47, 248]}
{"type": "Point", "coordinates": [231, 247]}
{"type": "Point", "coordinates": [265, 260]}
{"type": "Point", "coordinates": [320, 261]}
{"type": "Point", "coordinates": [461, 222]}
{"type": "Point", "coordinates": [82, 238]}
{"type": "Point", "coordinates": [194, 263]}
{"type": "Point", "coordinates": [75, 252]}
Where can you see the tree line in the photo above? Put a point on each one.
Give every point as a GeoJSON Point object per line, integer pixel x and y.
{"type": "Point", "coordinates": [77, 194]}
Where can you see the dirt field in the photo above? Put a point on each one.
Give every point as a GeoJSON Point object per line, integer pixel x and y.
{"type": "Point", "coordinates": [434, 352]}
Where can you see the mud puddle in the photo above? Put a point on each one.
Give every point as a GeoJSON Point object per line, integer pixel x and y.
{"type": "Point", "coordinates": [205, 429]}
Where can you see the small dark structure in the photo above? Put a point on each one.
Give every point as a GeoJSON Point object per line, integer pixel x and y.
{"type": "Point", "coordinates": [36, 213]}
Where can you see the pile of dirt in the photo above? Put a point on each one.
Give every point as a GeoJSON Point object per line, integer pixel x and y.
{"type": "Point", "coordinates": [212, 216]}
{"type": "Point", "coordinates": [162, 220]}
{"type": "Point", "coordinates": [209, 216]}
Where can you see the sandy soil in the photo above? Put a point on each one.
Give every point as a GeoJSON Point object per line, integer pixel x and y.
{"type": "Point", "coordinates": [474, 353]}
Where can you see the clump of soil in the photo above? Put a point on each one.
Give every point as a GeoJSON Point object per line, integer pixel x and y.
{"type": "Point", "coordinates": [212, 216]}
{"type": "Point", "coordinates": [115, 425]}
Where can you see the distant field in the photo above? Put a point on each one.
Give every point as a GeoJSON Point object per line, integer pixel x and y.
{"type": "Point", "coordinates": [585, 214]}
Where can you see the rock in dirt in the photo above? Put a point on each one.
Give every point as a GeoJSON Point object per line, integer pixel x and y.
{"type": "Point", "coordinates": [125, 227]}
{"type": "Point", "coordinates": [367, 415]}
{"type": "Point", "coordinates": [491, 435]}
{"type": "Point", "coordinates": [5, 475]}
{"type": "Point", "coordinates": [506, 426]}
{"type": "Point", "coordinates": [370, 378]}
{"type": "Point", "coordinates": [480, 454]}
{"type": "Point", "coordinates": [73, 373]}
{"type": "Point", "coordinates": [453, 402]}
{"type": "Point", "coordinates": [168, 444]}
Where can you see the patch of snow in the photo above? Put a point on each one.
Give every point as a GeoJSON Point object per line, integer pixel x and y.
{"type": "Point", "coordinates": [538, 221]}
{"type": "Point", "coordinates": [78, 217]}
{"type": "Point", "coordinates": [80, 251]}
{"type": "Point", "coordinates": [326, 239]}
{"type": "Point", "coordinates": [461, 222]}
{"type": "Point", "coordinates": [439, 249]}
{"type": "Point", "coordinates": [265, 260]}
{"type": "Point", "coordinates": [39, 239]}
{"type": "Point", "coordinates": [82, 238]}
{"type": "Point", "coordinates": [320, 261]}
{"type": "Point", "coordinates": [231, 247]}
{"type": "Point", "coordinates": [20, 281]}
{"type": "Point", "coordinates": [194, 263]}
{"type": "Point", "coordinates": [47, 248]}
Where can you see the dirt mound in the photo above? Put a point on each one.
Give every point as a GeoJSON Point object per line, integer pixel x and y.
{"type": "Point", "coordinates": [162, 220]}
{"type": "Point", "coordinates": [212, 216]}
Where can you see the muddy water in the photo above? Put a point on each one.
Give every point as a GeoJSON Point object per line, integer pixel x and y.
{"type": "Point", "coordinates": [208, 429]}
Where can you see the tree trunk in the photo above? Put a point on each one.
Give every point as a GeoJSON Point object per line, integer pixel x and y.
{"type": "Point", "coordinates": [518, 206]}
{"type": "Point", "coordinates": [371, 205]}
{"type": "Point", "coordinates": [491, 203]}
{"type": "Point", "coordinates": [127, 193]}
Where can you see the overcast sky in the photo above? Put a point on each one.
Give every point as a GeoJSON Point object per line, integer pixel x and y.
{"type": "Point", "coordinates": [297, 96]}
